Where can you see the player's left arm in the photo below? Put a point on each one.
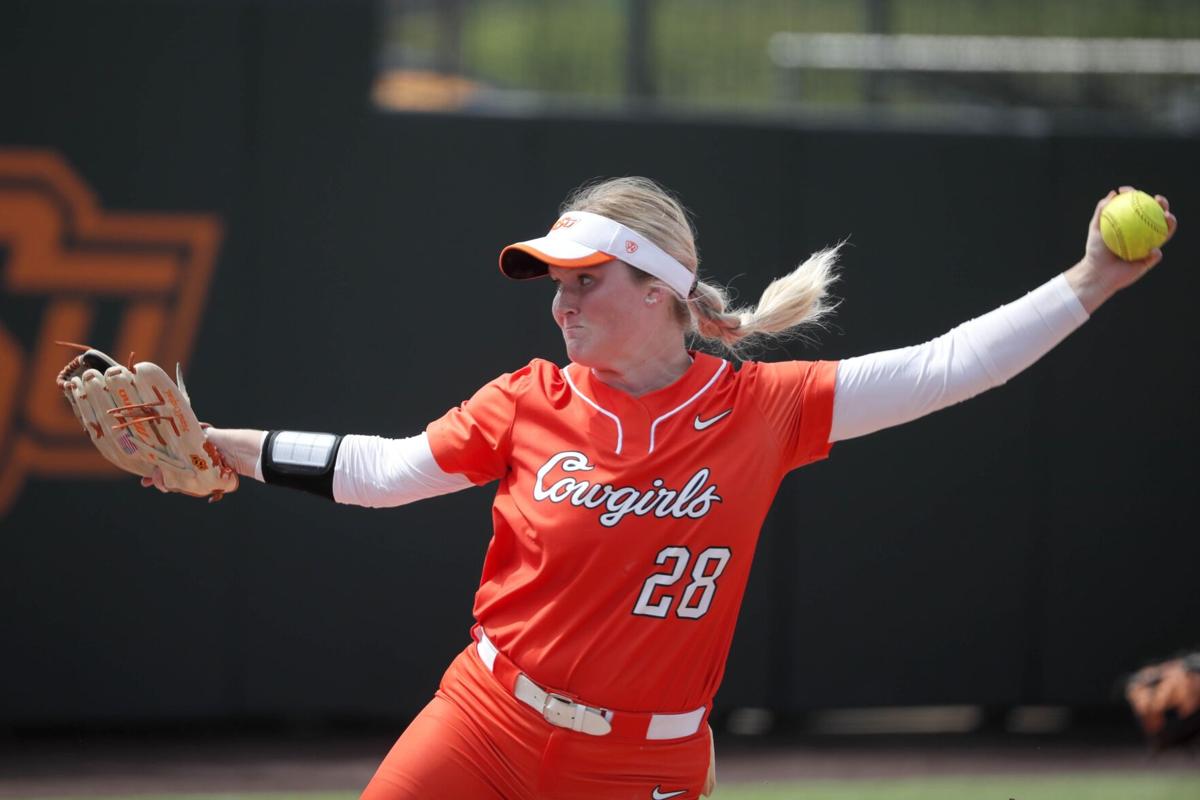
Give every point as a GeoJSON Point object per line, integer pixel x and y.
{"type": "Point", "coordinates": [889, 388]}
{"type": "Point", "coordinates": [472, 441]}
{"type": "Point", "coordinates": [370, 471]}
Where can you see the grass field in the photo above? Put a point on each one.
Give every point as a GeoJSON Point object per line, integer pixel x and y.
{"type": "Point", "coordinates": [1091, 786]}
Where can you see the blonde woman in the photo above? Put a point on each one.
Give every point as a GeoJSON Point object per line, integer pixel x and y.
{"type": "Point", "coordinates": [632, 486]}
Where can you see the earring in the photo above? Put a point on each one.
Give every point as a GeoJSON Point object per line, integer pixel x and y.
{"type": "Point", "coordinates": [650, 300]}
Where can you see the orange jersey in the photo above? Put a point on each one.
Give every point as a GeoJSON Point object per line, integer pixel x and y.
{"type": "Point", "coordinates": [624, 526]}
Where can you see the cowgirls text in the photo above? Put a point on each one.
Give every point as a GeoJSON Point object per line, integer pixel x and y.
{"type": "Point", "coordinates": [693, 500]}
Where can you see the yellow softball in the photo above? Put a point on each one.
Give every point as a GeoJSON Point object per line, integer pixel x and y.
{"type": "Point", "coordinates": [1132, 225]}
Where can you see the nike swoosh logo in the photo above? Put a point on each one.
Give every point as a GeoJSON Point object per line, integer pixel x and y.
{"type": "Point", "coordinates": [658, 793]}
{"type": "Point", "coordinates": [701, 424]}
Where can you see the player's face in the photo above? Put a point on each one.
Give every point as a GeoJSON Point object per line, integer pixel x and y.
{"type": "Point", "coordinates": [604, 317]}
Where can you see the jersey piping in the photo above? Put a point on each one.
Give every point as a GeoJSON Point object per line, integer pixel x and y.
{"type": "Point", "coordinates": [566, 373]}
{"type": "Point", "coordinates": [570, 382]}
{"type": "Point", "coordinates": [687, 402]}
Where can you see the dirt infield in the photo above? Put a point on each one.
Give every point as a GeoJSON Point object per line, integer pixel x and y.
{"type": "Point", "coordinates": [85, 766]}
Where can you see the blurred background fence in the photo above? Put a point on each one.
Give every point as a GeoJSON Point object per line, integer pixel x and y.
{"type": "Point", "coordinates": [981, 62]}
{"type": "Point", "coordinates": [1023, 550]}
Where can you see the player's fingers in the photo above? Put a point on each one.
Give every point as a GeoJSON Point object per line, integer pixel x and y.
{"type": "Point", "coordinates": [159, 483]}
{"type": "Point", "coordinates": [147, 483]}
{"type": "Point", "coordinates": [1124, 189]}
{"type": "Point", "coordinates": [1172, 224]}
{"type": "Point", "coordinates": [1100, 207]}
{"type": "Point", "coordinates": [1151, 260]}
{"type": "Point", "coordinates": [1162, 201]}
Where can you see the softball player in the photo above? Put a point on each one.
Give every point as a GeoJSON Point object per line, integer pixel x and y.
{"type": "Point", "coordinates": [632, 486]}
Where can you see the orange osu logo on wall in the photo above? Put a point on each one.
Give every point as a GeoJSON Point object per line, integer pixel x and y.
{"type": "Point", "coordinates": [67, 266]}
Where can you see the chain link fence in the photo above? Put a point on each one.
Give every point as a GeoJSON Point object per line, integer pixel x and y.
{"type": "Point", "coordinates": [1128, 63]}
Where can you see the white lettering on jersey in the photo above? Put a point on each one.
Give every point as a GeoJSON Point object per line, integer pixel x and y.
{"type": "Point", "coordinates": [693, 500]}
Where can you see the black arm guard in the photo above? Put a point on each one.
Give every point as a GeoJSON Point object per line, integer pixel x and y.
{"type": "Point", "coordinates": [301, 460]}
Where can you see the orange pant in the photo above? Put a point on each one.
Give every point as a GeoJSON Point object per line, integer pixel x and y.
{"type": "Point", "coordinates": [475, 741]}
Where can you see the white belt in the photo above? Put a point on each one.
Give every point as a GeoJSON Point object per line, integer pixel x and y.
{"type": "Point", "coordinates": [562, 711]}
{"type": "Point", "coordinates": [566, 713]}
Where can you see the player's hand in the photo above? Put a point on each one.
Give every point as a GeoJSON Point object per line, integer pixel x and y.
{"type": "Point", "coordinates": [156, 479]}
{"type": "Point", "coordinates": [241, 448]}
{"type": "Point", "coordinates": [1100, 273]}
{"type": "Point", "coordinates": [710, 780]}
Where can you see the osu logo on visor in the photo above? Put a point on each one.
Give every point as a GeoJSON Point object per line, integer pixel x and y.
{"type": "Point", "coordinates": [73, 271]}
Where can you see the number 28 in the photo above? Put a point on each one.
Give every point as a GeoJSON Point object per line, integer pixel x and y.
{"type": "Point", "coordinates": [697, 595]}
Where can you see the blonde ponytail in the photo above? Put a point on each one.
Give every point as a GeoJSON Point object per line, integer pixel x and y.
{"type": "Point", "coordinates": [795, 300]}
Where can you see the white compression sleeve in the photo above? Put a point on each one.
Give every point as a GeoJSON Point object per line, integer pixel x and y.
{"type": "Point", "coordinates": [376, 472]}
{"type": "Point", "coordinates": [884, 389]}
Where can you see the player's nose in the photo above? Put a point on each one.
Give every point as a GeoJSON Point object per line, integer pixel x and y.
{"type": "Point", "coordinates": [564, 303]}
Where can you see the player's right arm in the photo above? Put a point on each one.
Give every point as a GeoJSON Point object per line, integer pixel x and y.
{"type": "Point", "coordinates": [889, 388]}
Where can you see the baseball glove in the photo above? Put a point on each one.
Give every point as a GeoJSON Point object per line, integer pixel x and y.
{"type": "Point", "coordinates": [139, 419]}
{"type": "Point", "coordinates": [1166, 700]}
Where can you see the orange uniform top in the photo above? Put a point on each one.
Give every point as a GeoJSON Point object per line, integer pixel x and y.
{"type": "Point", "coordinates": [625, 526]}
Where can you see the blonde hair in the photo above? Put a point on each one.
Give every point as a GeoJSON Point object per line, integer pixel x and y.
{"type": "Point", "coordinates": [797, 300]}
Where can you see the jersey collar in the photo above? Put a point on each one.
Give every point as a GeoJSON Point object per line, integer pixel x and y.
{"type": "Point", "coordinates": [637, 418]}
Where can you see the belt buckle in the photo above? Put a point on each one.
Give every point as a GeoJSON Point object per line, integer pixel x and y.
{"type": "Point", "coordinates": [555, 714]}
{"type": "Point", "coordinates": [575, 716]}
